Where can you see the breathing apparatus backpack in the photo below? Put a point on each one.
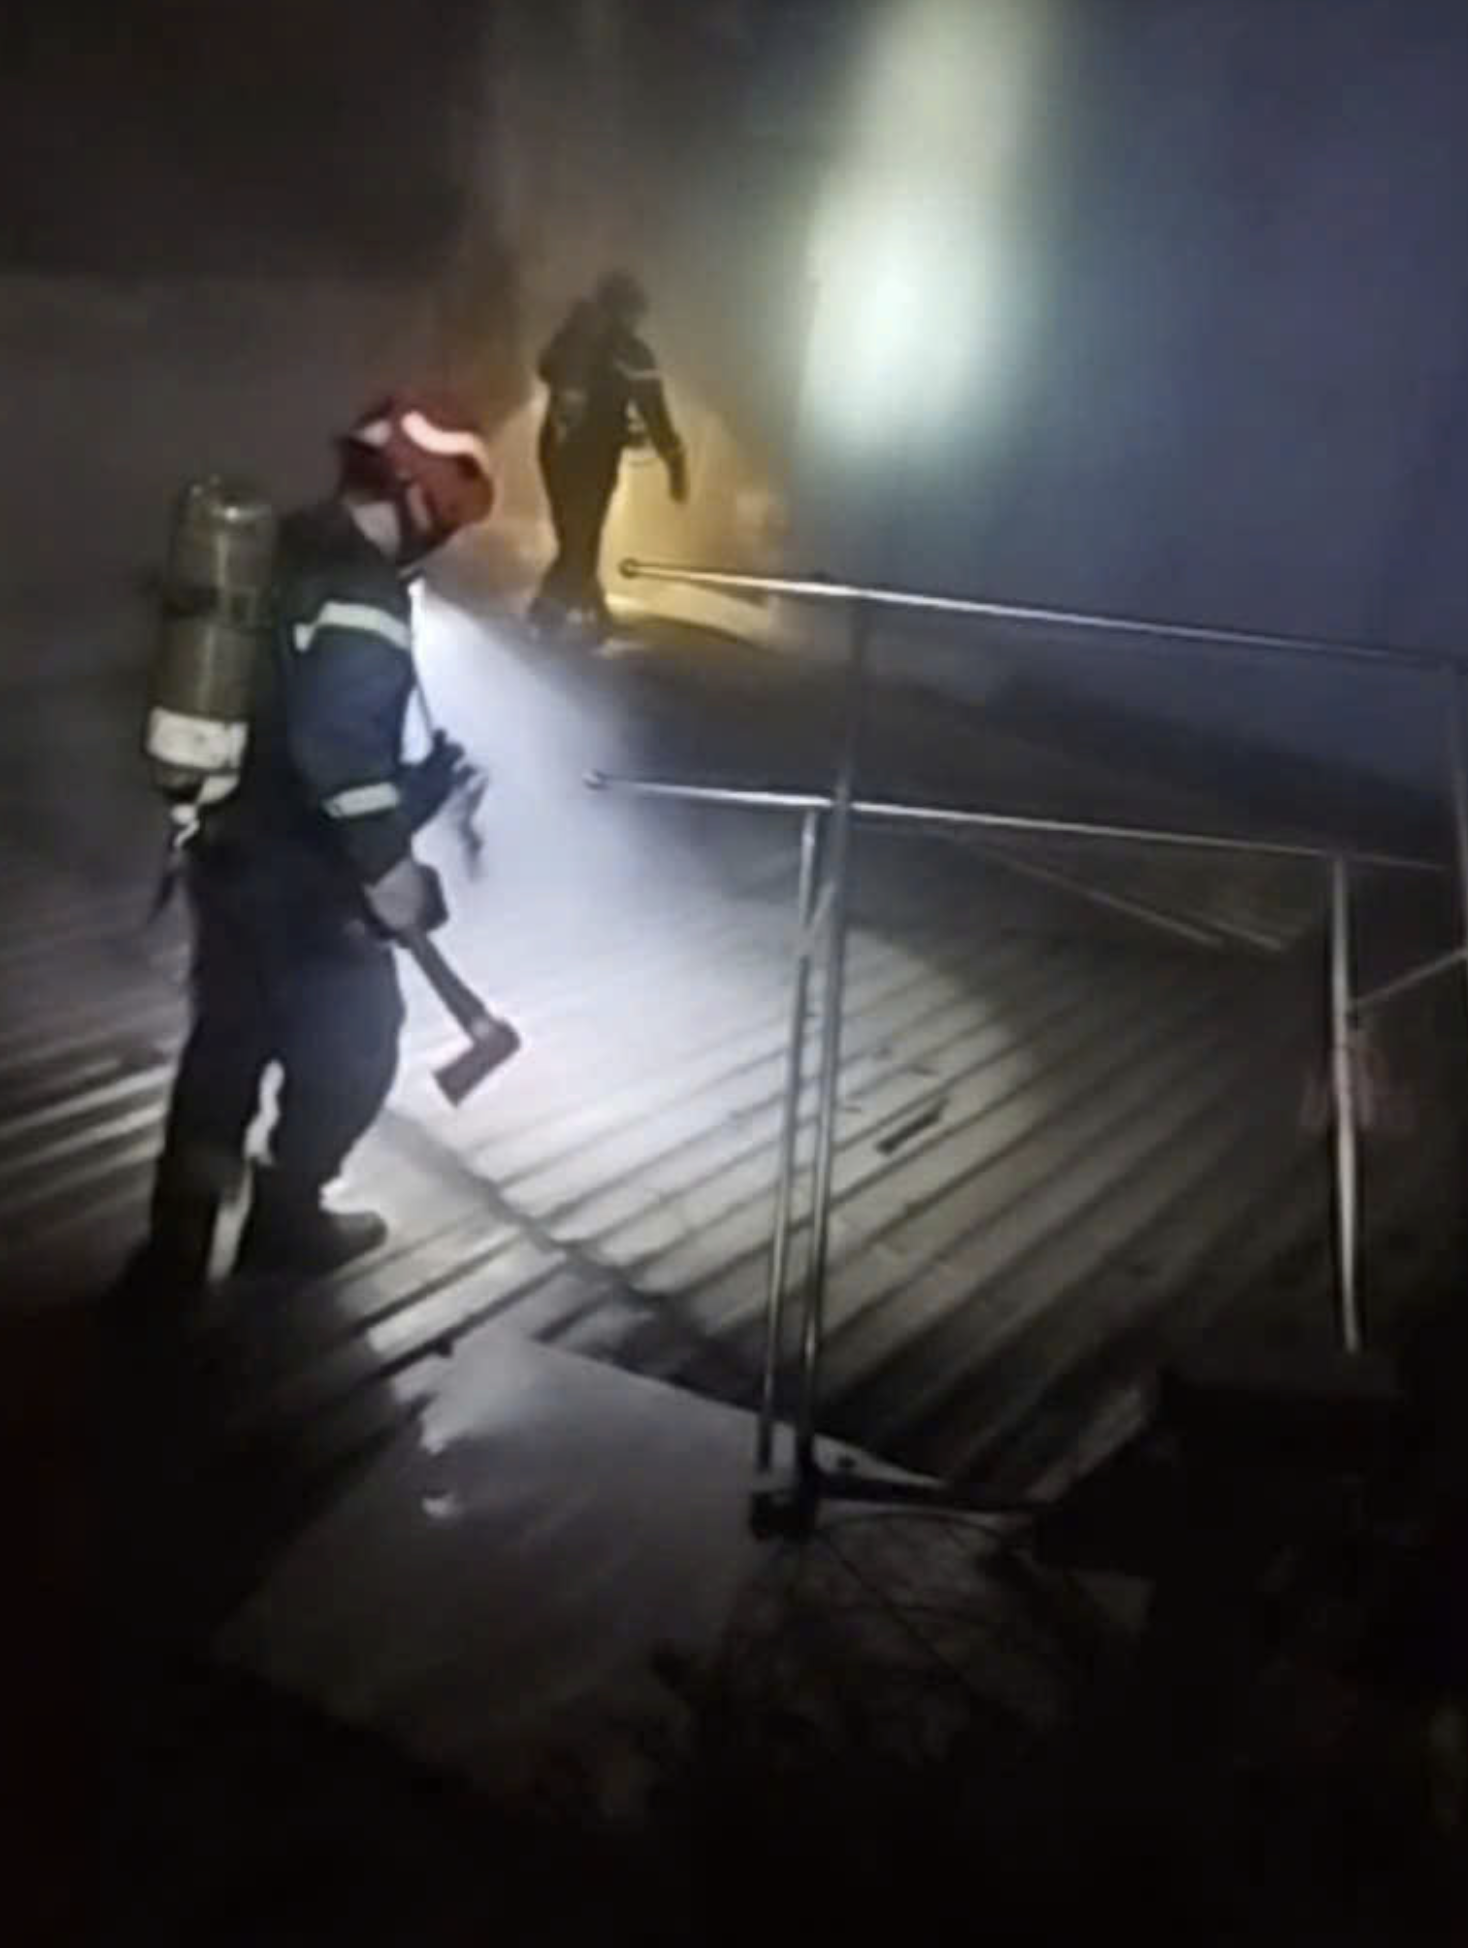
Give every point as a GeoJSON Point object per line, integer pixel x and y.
{"type": "Point", "coordinates": [213, 627]}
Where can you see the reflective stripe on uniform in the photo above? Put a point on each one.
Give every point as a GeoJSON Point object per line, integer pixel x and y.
{"type": "Point", "coordinates": [361, 616]}
{"type": "Point", "coordinates": [194, 743]}
{"type": "Point", "coordinates": [362, 801]}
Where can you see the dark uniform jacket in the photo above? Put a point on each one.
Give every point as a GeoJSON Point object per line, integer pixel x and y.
{"type": "Point", "coordinates": [606, 389]}
{"type": "Point", "coordinates": [324, 803]}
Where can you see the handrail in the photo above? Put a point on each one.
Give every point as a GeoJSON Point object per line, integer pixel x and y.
{"type": "Point", "coordinates": [954, 815]}
{"type": "Point", "coordinates": [835, 810]}
{"type": "Point", "coordinates": [820, 588]}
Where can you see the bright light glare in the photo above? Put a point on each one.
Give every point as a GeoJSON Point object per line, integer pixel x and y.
{"type": "Point", "coordinates": [900, 315]}
{"type": "Point", "coordinates": [905, 254]}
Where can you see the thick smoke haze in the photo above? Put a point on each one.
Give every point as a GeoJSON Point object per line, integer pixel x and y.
{"type": "Point", "coordinates": [1211, 321]}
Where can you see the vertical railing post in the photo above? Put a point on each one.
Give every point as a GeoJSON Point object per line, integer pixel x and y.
{"type": "Point", "coordinates": [1458, 762]}
{"type": "Point", "coordinates": [1346, 1159]}
{"type": "Point", "coordinates": [835, 897]}
{"type": "Point", "coordinates": [810, 827]}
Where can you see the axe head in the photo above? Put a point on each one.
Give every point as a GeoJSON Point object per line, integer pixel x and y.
{"type": "Point", "coordinates": [492, 1045]}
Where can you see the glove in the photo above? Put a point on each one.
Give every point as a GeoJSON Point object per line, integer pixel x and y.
{"type": "Point", "coordinates": [407, 899]}
{"type": "Point", "coordinates": [428, 785]}
{"type": "Point", "coordinates": [678, 476]}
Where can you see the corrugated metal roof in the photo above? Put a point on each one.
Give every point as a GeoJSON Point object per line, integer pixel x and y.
{"type": "Point", "coordinates": [1059, 1133]}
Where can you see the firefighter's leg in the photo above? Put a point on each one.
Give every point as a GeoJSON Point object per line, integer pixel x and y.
{"type": "Point", "coordinates": [549, 606]}
{"type": "Point", "coordinates": [593, 503]}
{"type": "Point", "coordinates": [579, 526]}
{"type": "Point", "coordinates": [215, 1095]}
{"type": "Point", "coordinates": [339, 1019]}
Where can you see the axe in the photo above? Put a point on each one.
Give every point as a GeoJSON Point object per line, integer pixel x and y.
{"type": "Point", "coordinates": [491, 1040]}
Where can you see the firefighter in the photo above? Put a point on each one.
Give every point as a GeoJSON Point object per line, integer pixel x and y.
{"type": "Point", "coordinates": [302, 876]}
{"type": "Point", "coordinates": [605, 395]}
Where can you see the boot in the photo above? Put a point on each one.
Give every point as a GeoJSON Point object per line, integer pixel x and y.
{"type": "Point", "coordinates": [289, 1231]}
{"type": "Point", "coordinates": [546, 618]}
{"type": "Point", "coordinates": [169, 1272]}
{"type": "Point", "coordinates": [589, 624]}
{"type": "Point", "coordinates": [175, 1266]}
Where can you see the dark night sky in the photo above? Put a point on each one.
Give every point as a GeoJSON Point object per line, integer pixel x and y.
{"type": "Point", "coordinates": [165, 135]}
{"type": "Point", "coordinates": [1231, 280]}
{"type": "Point", "coordinates": [277, 135]}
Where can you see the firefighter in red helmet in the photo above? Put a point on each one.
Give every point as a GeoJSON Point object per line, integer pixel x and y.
{"type": "Point", "coordinates": [300, 878]}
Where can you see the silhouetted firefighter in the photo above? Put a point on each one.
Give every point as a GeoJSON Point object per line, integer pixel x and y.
{"type": "Point", "coordinates": [606, 395]}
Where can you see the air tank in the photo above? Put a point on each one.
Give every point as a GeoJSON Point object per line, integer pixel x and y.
{"type": "Point", "coordinates": [215, 618]}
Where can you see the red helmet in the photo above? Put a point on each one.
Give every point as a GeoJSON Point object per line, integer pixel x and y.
{"type": "Point", "coordinates": [428, 442]}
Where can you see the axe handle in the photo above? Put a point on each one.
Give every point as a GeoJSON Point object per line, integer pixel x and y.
{"type": "Point", "coordinates": [461, 1001]}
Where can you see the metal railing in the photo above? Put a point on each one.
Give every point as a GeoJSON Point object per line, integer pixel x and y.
{"type": "Point", "coordinates": [826, 822]}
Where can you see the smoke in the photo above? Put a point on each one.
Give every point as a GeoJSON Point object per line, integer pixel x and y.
{"type": "Point", "coordinates": [540, 721]}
